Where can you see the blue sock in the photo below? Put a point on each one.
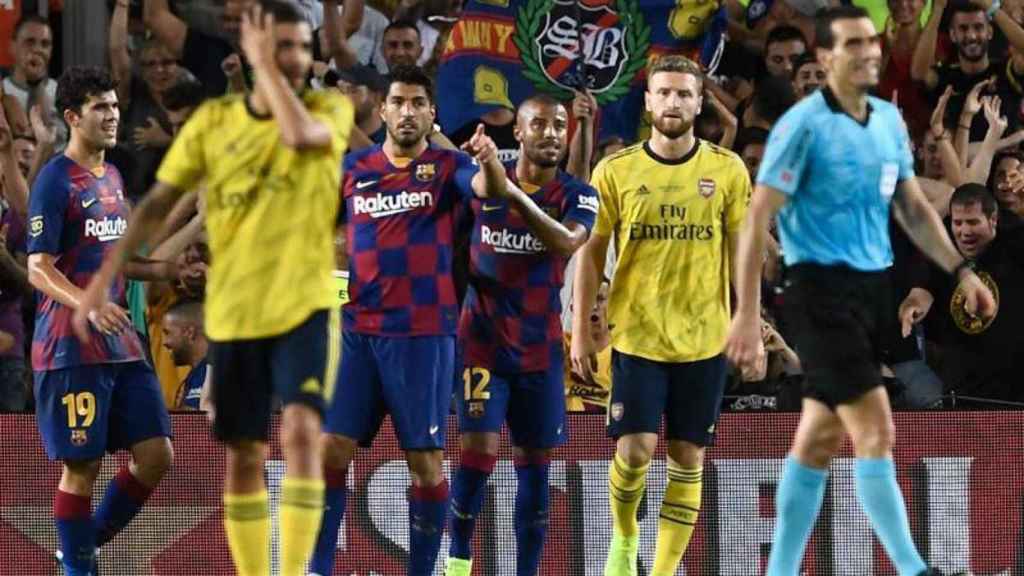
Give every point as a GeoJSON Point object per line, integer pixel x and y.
{"type": "Point", "coordinates": [882, 501]}
{"type": "Point", "coordinates": [531, 522]}
{"type": "Point", "coordinates": [797, 503]}
{"type": "Point", "coordinates": [76, 533]}
{"type": "Point", "coordinates": [468, 491]}
{"type": "Point", "coordinates": [124, 498]}
{"type": "Point", "coordinates": [428, 508]}
{"type": "Point", "coordinates": [335, 494]}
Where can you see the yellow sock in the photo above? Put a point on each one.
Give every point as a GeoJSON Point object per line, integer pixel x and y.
{"type": "Point", "coordinates": [302, 507]}
{"type": "Point", "coordinates": [678, 517]}
{"type": "Point", "coordinates": [625, 489]}
{"type": "Point", "coordinates": [247, 523]}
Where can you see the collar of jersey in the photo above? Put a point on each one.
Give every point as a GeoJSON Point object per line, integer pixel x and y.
{"type": "Point", "coordinates": [672, 161]}
{"type": "Point", "coordinates": [836, 107]}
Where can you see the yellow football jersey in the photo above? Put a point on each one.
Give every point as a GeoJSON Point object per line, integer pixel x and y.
{"type": "Point", "coordinates": [670, 221]}
{"type": "Point", "coordinates": [271, 213]}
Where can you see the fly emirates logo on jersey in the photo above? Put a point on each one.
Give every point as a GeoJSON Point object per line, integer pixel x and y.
{"type": "Point", "coordinates": [106, 229]}
{"type": "Point", "coordinates": [505, 242]}
{"type": "Point", "coordinates": [383, 205]}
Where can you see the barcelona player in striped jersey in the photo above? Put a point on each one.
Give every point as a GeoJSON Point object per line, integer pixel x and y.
{"type": "Point", "coordinates": [399, 212]}
{"type": "Point", "coordinates": [510, 335]}
{"type": "Point", "coordinates": [101, 395]}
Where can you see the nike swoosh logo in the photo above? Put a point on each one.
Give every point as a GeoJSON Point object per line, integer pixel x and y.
{"type": "Point", "coordinates": [433, 430]}
{"type": "Point", "coordinates": [490, 208]}
{"type": "Point", "coordinates": [365, 184]}
{"type": "Point", "coordinates": [87, 203]}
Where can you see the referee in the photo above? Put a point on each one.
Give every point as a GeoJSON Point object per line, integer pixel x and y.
{"type": "Point", "coordinates": [833, 166]}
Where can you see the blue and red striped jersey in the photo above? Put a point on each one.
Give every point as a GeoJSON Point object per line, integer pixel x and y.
{"type": "Point", "coordinates": [400, 227]}
{"type": "Point", "coordinates": [77, 217]}
{"type": "Point", "coordinates": [511, 318]}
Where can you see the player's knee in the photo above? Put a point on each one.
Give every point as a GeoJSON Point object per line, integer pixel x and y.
{"type": "Point", "coordinates": [636, 449]}
{"type": "Point", "coordinates": [81, 472]}
{"type": "Point", "coordinates": [817, 447]}
{"type": "Point", "coordinates": [483, 443]}
{"type": "Point", "coordinates": [426, 467]}
{"type": "Point", "coordinates": [337, 451]}
{"type": "Point", "coordinates": [155, 461]}
{"type": "Point", "coordinates": [687, 455]}
{"type": "Point", "coordinates": [246, 458]}
{"type": "Point", "coordinates": [875, 441]}
{"type": "Point", "coordinates": [300, 428]}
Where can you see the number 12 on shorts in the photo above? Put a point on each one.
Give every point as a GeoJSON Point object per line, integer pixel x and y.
{"type": "Point", "coordinates": [478, 390]}
{"type": "Point", "coordinates": [82, 405]}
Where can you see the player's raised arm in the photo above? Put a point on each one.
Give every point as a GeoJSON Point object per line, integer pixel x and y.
{"type": "Point", "coordinates": [144, 223]}
{"type": "Point", "coordinates": [262, 47]}
{"type": "Point", "coordinates": [490, 182]}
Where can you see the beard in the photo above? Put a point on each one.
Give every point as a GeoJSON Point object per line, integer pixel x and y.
{"type": "Point", "coordinates": [541, 158]}
{"type": "Point", "coordinates": [981, 47]}
{"type": "Point", "coordinates": [407, 140]}
{"type": "Point", "coordinates": [672, 128]}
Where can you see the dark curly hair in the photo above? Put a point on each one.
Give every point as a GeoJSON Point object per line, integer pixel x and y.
{"type": "Point", "coordinates": [78, 83]}
{"type": "Point", "coordinates": [412, 75]}
{"type": "Point", "coordinates": [184, 94]}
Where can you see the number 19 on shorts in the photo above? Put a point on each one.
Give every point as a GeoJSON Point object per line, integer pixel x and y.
{"type": "Point", "coordinates": [81, 405]}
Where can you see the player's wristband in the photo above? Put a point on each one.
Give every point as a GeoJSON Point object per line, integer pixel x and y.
{"type": "Point", "coordinates": [964, 264]}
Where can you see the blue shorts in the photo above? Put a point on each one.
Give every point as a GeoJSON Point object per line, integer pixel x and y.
{"type": "Point", "coordinates": [409, 378]}
{"type": "Point", "coordinates": [533, 404]}
{"type": "Point", "coordinates": [688, 394]}
{"type": "Point", "coordinates": [85, 411]}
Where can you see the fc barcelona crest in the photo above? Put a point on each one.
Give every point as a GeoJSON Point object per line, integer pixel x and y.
{"type": "Point", "coordinates": [706, 187]}
{"type": "Point", "coordinates": [425, 172]}
{"type": "Point", "coordinates": [79, 438]}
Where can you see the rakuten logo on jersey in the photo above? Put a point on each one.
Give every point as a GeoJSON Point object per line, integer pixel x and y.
{"type": "Point", "coordinates": [506, 242]}
{"type": "Point", "coordinates": [107, 229]}
{"type": "Point", "coordinates": [381, 205]}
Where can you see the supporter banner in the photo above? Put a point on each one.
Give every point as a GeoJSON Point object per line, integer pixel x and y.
{"type": "Point", "coordinates": [961, 473]}
{"type": "Point", "coordinates": [503, 51]}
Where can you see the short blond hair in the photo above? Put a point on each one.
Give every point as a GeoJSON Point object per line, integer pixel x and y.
{"type": "Point", "coordinates": [675, 63]}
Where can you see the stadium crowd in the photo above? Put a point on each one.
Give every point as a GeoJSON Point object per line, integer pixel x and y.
{"type": "Point", "coordinates": [955, 71]}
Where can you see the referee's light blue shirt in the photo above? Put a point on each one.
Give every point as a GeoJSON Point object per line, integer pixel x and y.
{"type": "Point", "coordinates": [839, 176]}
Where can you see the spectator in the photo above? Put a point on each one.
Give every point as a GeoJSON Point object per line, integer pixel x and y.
{"type": "Point", "coordinates": [750, 146]}
{"type": "Point", "coordinates": [180, 101]}
{"type": "Point", "coordinates": [971, 34]}
{"type": "Point", "coordinates": [184, 337]}
{"type": "Point", "coordinates": [808, 75]}
{"type": "Point", "coordinates": [580, 395]}
{"type": "Point", "coordinates": [1008, 185]}
{"type": "Point", "coordinates": [773, 97]}
{"type": "Point", "coordinates": [29, 83]}
{"type": "Point", "coordinates": [976, 358]}
{"type": "Point", "coordinates": [14, 286]}
{"type": "Point", "coordinates": [782, 49]}
{"type": "Point", "coordinates": [406, 42]}
{"type": "Point", "coordinates": [201, 54]}
{"type": "Point", "coordinates": [901, 35]}
{"type": "Point", "coordinates": [499, 124]}
{"type": "Point", "coordinates": [361, 30]}
{"type": "Point", "coordinates": [145, 128]}
{"type": "Point", "coordinates": [366, 88]}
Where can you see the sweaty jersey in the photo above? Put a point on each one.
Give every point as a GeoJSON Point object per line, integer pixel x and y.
{"type": "Point", "coordinates": [839, 176]}
{"type": "Point", "coordinates": [77, 216]}
{"type": "Point", "coordinates": [671, 220]}
{"type": "Point", "coordinates": [400, 225]}
{"type": "Point", "coordinates": [511, 317]}
{"type": "Point", "coordinates": [270, 213]}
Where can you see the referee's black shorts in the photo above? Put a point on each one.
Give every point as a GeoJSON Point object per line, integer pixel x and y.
{"type": "Point", "coordinates": [839, 320]}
